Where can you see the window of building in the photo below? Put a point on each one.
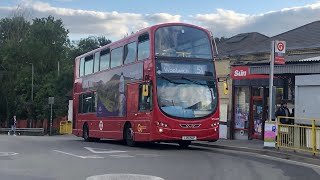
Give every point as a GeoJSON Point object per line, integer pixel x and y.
{"type": "Point", "coordinates": [116, 57]}
{"type": "Point", "coordinates": [88, 65]}
{"type": "Point", "coordinates": [96, 62]}
{"type": "Point", "coordinates": [104, 59]}
{"type": "Point", "coordinates": [130, 53]}
{"type": "Point", "coordinates": [143, 47]}
{"type": "Point", "coordinates": [81, 70]}
{"type": "Point", "coordinates": [242, 107]}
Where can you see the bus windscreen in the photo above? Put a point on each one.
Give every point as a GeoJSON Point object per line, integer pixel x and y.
{"type": "Point", "coordinates": [182, 41]}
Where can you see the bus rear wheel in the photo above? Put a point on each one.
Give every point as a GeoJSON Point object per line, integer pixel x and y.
{"type": "Point", "coordinates": [184, 144]}
{"type": "Point", "coordinates": [128, 135]}
{"type": "Point", "coordinates": [85, 132]}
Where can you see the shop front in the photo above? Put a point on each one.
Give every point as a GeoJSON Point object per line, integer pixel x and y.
{"type": "Point", "coordinates": [250, 102]}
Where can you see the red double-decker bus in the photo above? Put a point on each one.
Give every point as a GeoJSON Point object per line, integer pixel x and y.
{"type": "Point", "coordinates": [157, 85]}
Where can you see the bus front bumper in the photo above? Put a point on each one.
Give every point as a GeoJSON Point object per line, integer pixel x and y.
{"type": "Point", "coordinates": [167, 134]}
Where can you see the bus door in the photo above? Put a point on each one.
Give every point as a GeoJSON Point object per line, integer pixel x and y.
{"type": "Point", "coordinates": [139, 109]}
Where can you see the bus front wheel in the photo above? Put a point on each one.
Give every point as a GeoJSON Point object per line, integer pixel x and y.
{"type": "Point", "coordinates": [128, 135]}
{"type": "Point", "coordinates": [184, 144]}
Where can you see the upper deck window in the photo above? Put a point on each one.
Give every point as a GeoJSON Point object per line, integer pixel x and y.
{"type": "Point", "coordinates": [81, 70]}
{"type": "Point", "coordinates": [96, 62]}
{"type": "Point", "coordinates": [104, 59]}
{"type": "Point", "coordinates": [182, 41]}
{"type": "Point", "coordinates": [143, 47]}
{"type": "Point", "coordinates": [130, 53]}
{"type": "Point", "coordinates": [116, 57]}
{"type": "Point", "coordinates": [88, 65]}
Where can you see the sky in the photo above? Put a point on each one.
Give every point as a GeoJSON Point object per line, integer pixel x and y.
{"type": "Point", "coordinates": [115, 18]}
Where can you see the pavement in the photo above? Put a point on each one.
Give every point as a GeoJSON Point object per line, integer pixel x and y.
{"type": "Point", "coordinates": [257, 146]}
{"type": "Point", "coordinates": [69, 157]}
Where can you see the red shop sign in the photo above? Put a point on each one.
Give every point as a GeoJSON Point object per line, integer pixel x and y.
{"type": "Point", "coordinates": [242, 72]}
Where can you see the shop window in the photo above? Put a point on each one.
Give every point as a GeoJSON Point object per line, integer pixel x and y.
{"type": "Point", "coordinates": [242, 107]}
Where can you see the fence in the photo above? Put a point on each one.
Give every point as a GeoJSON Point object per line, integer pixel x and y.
{"type": "Point", "coordinates": [302, 136]}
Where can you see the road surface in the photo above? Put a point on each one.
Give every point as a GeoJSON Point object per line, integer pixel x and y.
{"type": "Point", "coordinates": [70, 158]}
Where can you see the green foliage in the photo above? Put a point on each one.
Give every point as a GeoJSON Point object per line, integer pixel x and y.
{"type": "Point", "coordinates": [44, 43]}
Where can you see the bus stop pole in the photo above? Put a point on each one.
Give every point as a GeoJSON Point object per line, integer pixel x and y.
{"type": "Point", "coordinates": [271, 108]}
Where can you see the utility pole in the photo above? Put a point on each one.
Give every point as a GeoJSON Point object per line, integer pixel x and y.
{"type": "Point", "coordinates": [58, 68]}
{"type": "Point", "coordinates": [32, 83]}
{"type": "Point", "coordinates": [51, 102]}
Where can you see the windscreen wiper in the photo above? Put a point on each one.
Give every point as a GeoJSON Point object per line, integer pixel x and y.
{"type": "Point", "coordinates": [169, 80]}
{"type": "Point", "coordinates": [193, 81]}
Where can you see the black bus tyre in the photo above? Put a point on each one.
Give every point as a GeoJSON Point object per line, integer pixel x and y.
{"type": "Point", "coordinates": [184, 144]}
{"type": "Point", "coordinates": [128, 134]}
{"type": "Point", "coordinates": [86, 133]}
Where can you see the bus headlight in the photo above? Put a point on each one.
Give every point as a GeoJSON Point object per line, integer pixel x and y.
{"type": "Point", "coordinates": [161, 124]}
{"type": "Point", "coordinates": [215, 124]}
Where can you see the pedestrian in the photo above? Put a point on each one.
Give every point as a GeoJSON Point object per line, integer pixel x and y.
{"type": "Point", "coordinates": [13, 125]}
{"type": "Point", "coordinates": [285, 112]}
{"type": "Point", "coordinates": [292, 115]}
{"type": "Point", "coordinates": [286, 136]}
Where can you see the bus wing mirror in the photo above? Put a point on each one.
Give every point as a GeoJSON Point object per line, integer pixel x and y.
{"type": "Point", "coordinates": [145, 90]}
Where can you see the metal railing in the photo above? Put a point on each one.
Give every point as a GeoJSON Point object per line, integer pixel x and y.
{"type": "Point", "coordinates": [39, 131]}
{"type": "Point", "coordinates": [303, 135]}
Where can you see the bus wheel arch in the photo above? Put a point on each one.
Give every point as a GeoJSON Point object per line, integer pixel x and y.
{"type": "Point", "coordinates": [128, 134]}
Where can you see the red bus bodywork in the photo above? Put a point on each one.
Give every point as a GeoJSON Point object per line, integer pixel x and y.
{"type": "Point", "coordinates": [146, 125]}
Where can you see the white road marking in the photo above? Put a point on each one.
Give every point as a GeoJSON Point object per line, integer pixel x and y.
{"type": "Point", "coordinates": [78, 156]}
{"type": "Point", "coordinates": [124, 177]}
{"type": "Point", "coordinates": [148, 155]}
{"type": "Point", "coordinates": [270, 157]}
{"type": "Point", "coordinates": [291, 161]}
{"type": "Point", "coordinates": [103, 151]}
{"type": "Point", "coordinates": [121, 156]}
{"type": "Point", "coordinates": [8, 153]}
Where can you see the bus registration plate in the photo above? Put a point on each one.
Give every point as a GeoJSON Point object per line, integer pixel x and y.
{"type": "Point", "coordinates": [189, 138]}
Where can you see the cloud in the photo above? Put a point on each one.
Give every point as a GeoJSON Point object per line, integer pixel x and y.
{"type": "Point", "coordinates": [227, 22]}
{"type": "Point", "coordinates": [222, 22]}
{"type": "Point", "coordinates": [111, 24]}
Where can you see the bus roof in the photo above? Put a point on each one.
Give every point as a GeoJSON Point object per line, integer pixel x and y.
{"type": "Point", "coordinates": [148, 29]}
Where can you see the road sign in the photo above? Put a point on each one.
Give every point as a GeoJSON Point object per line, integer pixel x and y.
{"type": "Point", "coordinates": [280, 47]}
{"type": "Point", "coordinates": [51, 100]}
{"type": "Point", "coordinates": [279, 52]}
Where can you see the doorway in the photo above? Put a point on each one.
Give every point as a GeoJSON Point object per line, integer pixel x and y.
{"type": "Point", "coordinates": [257, 114]}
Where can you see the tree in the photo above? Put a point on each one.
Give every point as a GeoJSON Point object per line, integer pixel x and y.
{"type": "Point", "coordinates": [103, 40]}
{"type": "Point", "coordinates": [41, 43]}
{"type": "Point", "coordinates": [221, 39]}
